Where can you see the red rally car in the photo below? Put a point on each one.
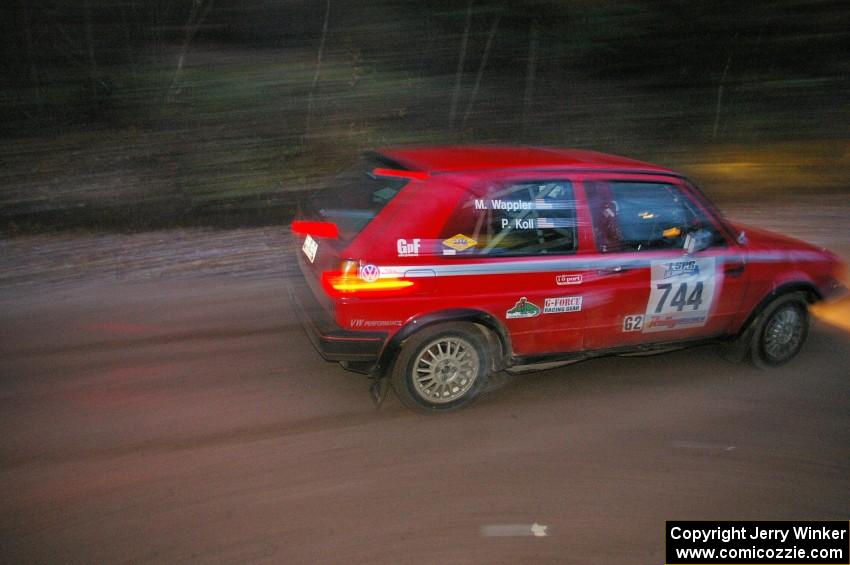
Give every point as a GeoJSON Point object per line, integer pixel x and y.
{"type": "Point", "coordinates": [436, 266]}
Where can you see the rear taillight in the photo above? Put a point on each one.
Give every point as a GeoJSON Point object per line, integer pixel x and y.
{"type": "Point", "coordinates": [352, 278]}
{"type": "Point", "coordinates": [316, 229]}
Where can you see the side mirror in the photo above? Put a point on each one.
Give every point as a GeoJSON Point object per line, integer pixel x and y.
{"type": "Point", "coordinates": [742, 238]}
{"type": "Point", "coordinates": [697, 240]}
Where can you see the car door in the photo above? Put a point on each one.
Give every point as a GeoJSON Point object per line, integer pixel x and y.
{"type": "Point", "coordinates": [647, 288]}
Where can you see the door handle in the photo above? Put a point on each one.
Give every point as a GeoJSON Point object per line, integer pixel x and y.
{"type": "Point", "coordinates": [734, 269]}
{"type": "Point", "coordinates": [615, 270]}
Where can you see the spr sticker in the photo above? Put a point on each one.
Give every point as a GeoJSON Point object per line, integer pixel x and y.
{"type": "Point", "coordinates": [523, 309]}
{"type": "Point", "coordinates": [681, 295]}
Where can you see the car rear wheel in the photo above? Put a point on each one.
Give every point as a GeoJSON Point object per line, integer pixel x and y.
{"type": "Point", "coordinates": [780, 332]}
{"type": "Point", "coordinates": [441, 368]}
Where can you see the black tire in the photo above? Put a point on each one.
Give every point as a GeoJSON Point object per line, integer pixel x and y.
{"type": "Point", "coordinates": [780, 331]}
{"type": "Point", "coordinates": [442, 367]}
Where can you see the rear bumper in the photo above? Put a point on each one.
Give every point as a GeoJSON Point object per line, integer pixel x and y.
{"type": "Point", "coordinates": [331, 341]}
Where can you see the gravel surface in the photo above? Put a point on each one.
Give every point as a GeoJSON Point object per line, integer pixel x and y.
{"type": "Point", "coordinates": [185, 417]}
{"type": "Point", "coordinates": [820, 220]}
{"type": "Point", "coordinates": [59, 259]}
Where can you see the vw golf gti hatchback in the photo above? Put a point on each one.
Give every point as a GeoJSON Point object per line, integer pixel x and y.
{"type": "Point", "coordinates": [437, 266]}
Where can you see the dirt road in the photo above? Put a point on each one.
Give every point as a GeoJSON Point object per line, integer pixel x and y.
{"type": "Point", "coordinates": [157, 411]}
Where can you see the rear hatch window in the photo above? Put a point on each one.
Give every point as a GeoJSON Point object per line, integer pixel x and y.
{"type": "Point", "coordinates": [351, 199]}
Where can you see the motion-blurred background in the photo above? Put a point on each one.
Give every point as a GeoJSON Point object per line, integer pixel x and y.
{"type": "Point", "coordinates": [158, 401]}
{"type": "Point", "coordinates": [132, 115]}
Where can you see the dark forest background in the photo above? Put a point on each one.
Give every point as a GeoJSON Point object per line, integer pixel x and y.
{"type": "Point", "coordinates": [138, 114]}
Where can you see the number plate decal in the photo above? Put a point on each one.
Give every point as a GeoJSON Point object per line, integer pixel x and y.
{"type": "Point", "coordinates": [682, 294]}
{"type": "Point", "coordinates": [633, 323]}
{"type": "Point", "coordinates": [310, 247]}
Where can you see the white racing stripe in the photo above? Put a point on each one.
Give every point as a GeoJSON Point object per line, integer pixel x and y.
{"type": "Point", "coordinates": [494, 266]}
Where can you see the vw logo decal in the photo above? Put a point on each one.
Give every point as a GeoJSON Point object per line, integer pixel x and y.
{"type": "Point", "coordinates": [369, 273]}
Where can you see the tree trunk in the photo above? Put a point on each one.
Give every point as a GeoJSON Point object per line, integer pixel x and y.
{"type": "Point", "coordinates": [529, 74]}
{"type": "Point", "coordinates": [92, 61]}
{"type": "Point", "coordinates": [483, 64]}
{"type": "Point", "coordinates": [192, 24]}
{"type": "Point", "coordinates": [318, 69]}
{"type": "Point", "coordinates": [34, 76]}
{"type": "Point", "coordinates": [460, 63]}
{"type": "Point", "coordinates": [720, 94]}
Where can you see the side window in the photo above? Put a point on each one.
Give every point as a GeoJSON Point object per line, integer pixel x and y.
{"type": "Point", "coordinates": [525, 218]}
{"type": "Point", "coordinates": [640, 216]}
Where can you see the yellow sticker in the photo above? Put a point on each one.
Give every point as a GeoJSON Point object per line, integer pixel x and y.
{"type": "Point", "coordinates": [672, 232]}
{"type": "Point", "coordinates": [460, 242]}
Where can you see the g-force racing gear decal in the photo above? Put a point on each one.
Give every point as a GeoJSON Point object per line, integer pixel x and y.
{"type": "Point", "coordinates": [681, 295]}
{"type": "Point", "coordinates": [523, 309]}
{"type": "Point", "coordinates": [562, 304]}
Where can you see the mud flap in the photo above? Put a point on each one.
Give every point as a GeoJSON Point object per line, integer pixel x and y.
{"type": "Point", "coordinates": [378, 388]}
{"type": "Point", "coordinates": [738, 350]}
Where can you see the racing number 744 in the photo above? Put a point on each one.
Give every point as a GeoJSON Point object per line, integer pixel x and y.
{"type": "Point", "coordinates": [679, 301]}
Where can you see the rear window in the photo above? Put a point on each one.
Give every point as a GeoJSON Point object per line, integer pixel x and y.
{"type": "Point", "coordinates": [520, 218]}
{"type": "Point", "coordinates": [352, 198]}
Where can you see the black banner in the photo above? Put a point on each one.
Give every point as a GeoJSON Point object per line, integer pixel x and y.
{"type": "Point", "coordinates": [758, 543]}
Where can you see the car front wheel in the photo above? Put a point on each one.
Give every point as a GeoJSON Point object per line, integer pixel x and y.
{"type": "Point", "coordinates": [781, 331]}
{"type": "Point", "coordinates": [441, 368]}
